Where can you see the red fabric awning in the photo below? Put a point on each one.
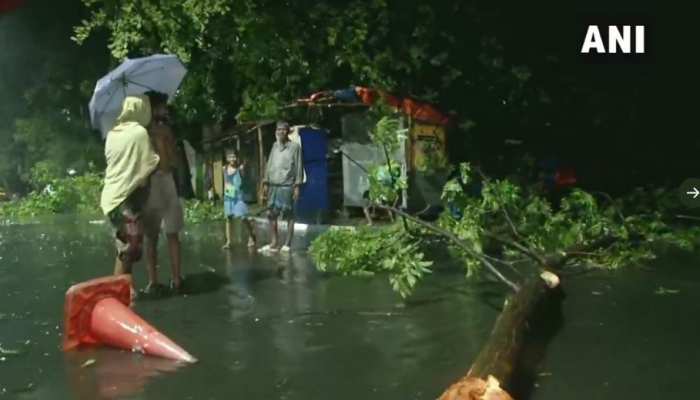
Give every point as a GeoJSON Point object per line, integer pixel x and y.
{"type": "Point", "coordinates": [422, 112]}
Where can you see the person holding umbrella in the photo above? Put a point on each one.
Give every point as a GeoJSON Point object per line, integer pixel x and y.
{"type": "Point", "coordinates": [122, 112]}
{"type": "Point", "coordinates": [130, 162]}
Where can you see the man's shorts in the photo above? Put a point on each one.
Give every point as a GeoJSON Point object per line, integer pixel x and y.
{"type": "Point", "coordinates": [126, 219]}
{"type": "Point", "coordinates": [280, 201]}
{"type": "Point", "coordinates": [163, 207]}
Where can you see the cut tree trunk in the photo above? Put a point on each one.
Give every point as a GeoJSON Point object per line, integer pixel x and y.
{"type": "Point", "coordinates": [492, 374]}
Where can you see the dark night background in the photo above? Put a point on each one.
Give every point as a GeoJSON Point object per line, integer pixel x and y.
{"type": "Point", "coordinates": [616, 120]}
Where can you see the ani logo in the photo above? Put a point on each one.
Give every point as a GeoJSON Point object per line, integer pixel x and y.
{"type": "Point", "coordinates": [619, 40]}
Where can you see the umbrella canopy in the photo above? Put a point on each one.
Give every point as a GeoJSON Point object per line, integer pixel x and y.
{"type": "Point", "coordinates": [160, 72]}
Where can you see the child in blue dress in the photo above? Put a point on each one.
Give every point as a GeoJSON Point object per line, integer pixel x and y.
{"type": "Point", "coordinates": [234, 206]}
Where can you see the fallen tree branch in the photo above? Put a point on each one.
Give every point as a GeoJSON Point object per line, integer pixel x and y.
{"type": "Point", "coordinates": [491, 374]}
{"type": "Point", "coordinates": [510, 222]}
{"type": "Point", "coordinates": [504, 263]}
{"type": "Point", "coordinates": [457, 241]}
{"type": "Point", "coordinates": [558, 261]}
{"type": "Point", "coordinates": [519, 247]}
{"type": "Point", "coordinates": [612, 204]}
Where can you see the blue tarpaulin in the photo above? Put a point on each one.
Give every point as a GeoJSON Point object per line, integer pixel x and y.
{"type": "Point", "coordinates": [313, 198]}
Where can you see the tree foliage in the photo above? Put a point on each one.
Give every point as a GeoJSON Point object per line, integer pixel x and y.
{"type": "Point", "coordinates": [244, 54]}
{"type": "Point", "coordinates": [582, 230]}
{"type": "Point", "coordinates": [518, 232]}
{"type": "Point", "coordinates": [508, 228]}
{"type": "Point", "coordinates": [365, 251]}
{"type": "Point", "coordinates": [56, 195]}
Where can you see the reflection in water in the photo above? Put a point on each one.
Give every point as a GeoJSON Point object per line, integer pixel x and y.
{"type": "Point", "coordinates": [112, 374]}
{"type": "Point", "coordinates": [289, 335]}
{"type": "Point", "coordinates": [239, 292]}
{"type": "Point", "coordinates": [273, 328]}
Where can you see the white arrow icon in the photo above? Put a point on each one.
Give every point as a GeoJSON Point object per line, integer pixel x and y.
{"type": "Point", "coordinates": [695, 192]}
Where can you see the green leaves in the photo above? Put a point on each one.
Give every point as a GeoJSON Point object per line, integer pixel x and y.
{"type": "Point", "coordinates": [366, 251]}
{"type": "Point", "coordinates": [386, 183]}
{"type": "Point", "coordinates": [500, 194]}
{"type": "Point", "coordinates": [198, 211]}
{"type": "Point", "coordinates": [386, 132]}
{"type": "Point", "coordinates": [56, 193]}
{"type": "Point", "coordinates": [495, 225]}
{"type": "Point", "coordinates": [259, 107]}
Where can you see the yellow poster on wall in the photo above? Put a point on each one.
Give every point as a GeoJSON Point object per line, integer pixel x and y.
{"type": "Point", "coordinates": [428, 147]}
{"type": "Point", "coordinates": [219, 178]}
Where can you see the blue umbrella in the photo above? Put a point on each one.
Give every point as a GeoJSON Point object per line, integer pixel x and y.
{"type": "Point", "coordinates": [160, 72]}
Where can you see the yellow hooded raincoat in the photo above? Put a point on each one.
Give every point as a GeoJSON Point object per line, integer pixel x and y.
{"type": "Point", "coordinates": [130, 156]}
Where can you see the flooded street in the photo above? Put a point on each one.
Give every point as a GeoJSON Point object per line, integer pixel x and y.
{"type": "Point", "coordinates": [273, 328]}
{"type": "Point", "coordinates": [628, 335]}
{"type": "Point", "coordinates": [262, 327]}
{"type": "Point", "coordinates": [479, 145]}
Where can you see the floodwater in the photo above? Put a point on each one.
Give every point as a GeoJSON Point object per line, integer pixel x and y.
{"type": "Point", "coordinates": [262, 327]}
{"type": "Point", "coordinates": [273, 328]}
{"type": "Point", "coordinates": [630, 334]}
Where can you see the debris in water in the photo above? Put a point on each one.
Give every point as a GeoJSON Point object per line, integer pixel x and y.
{"type": "Point", "coordinates": [596, 293]}
{"type": "Point", "coordinates": [377, 313]}
{"type": "Point", "coordinates": [28, 388]}
{"type": "Point", "coordinates": [544, 374]}
{"type": "Point", "coordinates": [662, 291]}
{"type": "Point", "coordinates": [9, 352]}
{"type": "Point", "coordinates": [88, 363]}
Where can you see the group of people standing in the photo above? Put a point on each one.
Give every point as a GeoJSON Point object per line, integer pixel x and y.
{"type": "Point", "coordinates": [281, 182]}
{"type": "Point", "coordinates": [140, 196]}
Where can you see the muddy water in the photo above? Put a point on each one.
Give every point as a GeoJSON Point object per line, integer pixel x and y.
{"type": "Point", "coordinates": [262, 327]}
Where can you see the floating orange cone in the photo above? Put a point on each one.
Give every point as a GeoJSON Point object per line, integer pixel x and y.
{"type": "Point", "coordinates": [97, 312]}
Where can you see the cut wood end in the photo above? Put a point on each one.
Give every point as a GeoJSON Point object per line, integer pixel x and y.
{"type": "Point", "coordinates": [493, 390]}
{"type": "Point", "coordinates": [550, 279]}
{"type": "Point", "coordinates": [472, 388]}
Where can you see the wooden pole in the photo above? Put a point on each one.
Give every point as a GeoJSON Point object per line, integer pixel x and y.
{"type": "Point", "coordinates": [261, 167]}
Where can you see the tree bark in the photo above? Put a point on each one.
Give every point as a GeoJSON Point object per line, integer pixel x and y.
{"type": "Point", "coordinates": [492, 372]}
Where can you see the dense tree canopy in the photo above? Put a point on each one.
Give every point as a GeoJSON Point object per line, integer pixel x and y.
{"type": "Point", "coordinates": [506, 71]}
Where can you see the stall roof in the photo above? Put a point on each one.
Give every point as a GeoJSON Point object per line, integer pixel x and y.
{"type": "Point", "coordinates": [362, 97]}
{"type": "Point", "coordinates": [238, 130]}
{"type": "Point", "coordinates": [325, 105]}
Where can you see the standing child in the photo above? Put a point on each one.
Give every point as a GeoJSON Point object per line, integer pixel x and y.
{"type": "Point", "coordinates": [234, 206]}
